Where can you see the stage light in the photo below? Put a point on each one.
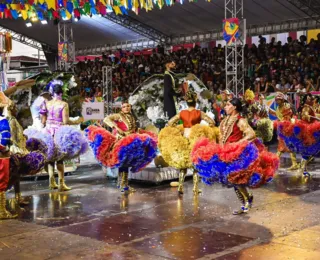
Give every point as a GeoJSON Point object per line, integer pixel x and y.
{"type": "Point", "coordinates": [20, 15]}
{"type": "Point", "coordinates": [34, 19]}
{"type": "Point", "coordinates": [76, 19]}
{"type": "Point", "coordinates": [28, 24]}
{"type": "Point", "coordinates": [44, 21]}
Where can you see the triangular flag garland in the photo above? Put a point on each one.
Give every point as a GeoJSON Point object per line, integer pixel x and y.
{"type": "Point", "coordinates": [66, 9]}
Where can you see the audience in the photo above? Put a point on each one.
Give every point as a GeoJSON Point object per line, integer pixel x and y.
{"type": "Point", "coordinates": [287, 67]}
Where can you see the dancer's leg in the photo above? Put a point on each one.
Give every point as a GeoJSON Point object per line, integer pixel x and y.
{"type": "Point", "coordinates": [62, 185]}
{"type": "Point", "coordinates": [182, 174]}
{"type": "Point", "coordinates": [52, 181]}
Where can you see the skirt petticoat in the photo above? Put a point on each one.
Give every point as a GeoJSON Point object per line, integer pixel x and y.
{"type": "Point", "coordinates": [301, 137]}
{"type": "Point", "coordinates": [240, 163]}
{"type": "Point", "coordinates": [134, 151]}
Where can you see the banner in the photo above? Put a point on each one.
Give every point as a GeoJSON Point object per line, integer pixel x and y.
{"type": "Point", "coordinates": [63, 51]}
{"type": "Point", "coordinates": [93, 110]}
{"type": "Point", "coordinates": [231, 30]}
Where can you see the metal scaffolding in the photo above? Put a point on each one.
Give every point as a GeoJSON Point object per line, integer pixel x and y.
{"type": "Point", "coordinates": [107, 88]}
{"type": "Point", "coordinates": [139, 27]}
{"type": "Point", "coordinates": [252, 30]}
{"type": "Point", "coordinates": [234, 53]}
{"type": "Point", "coordinates": [65, 34]}
{"type": "Point", "coordinates": [25, 40]}
{"type": "Point", "coordinates": [310, 7]}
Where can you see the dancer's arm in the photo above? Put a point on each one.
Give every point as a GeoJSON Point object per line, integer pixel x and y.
{"type": "Point", "coordinates": [206, 118]}
{"type": "Point", "coordinates": [111, 122]}
{"type": "Point", "coordinates": [174, 120]}
{"type": "Point", "coordinates": [66, 119]}
{"type": "Point", "coordinates": [245, 128]}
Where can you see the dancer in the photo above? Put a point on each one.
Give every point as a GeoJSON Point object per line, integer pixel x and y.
{"type": "Point", "coordinates": [18, 145]}
{"type": "Point", "coordinates": [284, 112]}
{"type": "Point", "coordinates": [176, 147]}
{"type": "Point", "coordinates": [5, 136]}
{"type": "Point", "coordinates": [56, 115]}
{"type": "Point", "coordinates": [257, 115]}
{"type": "Point", "coordinates": [169, 92]}
{"type": "Point", "coordinates": [126, 148]}
{"type": "Point", "coordinates": [122, 124]}
{"type": "Point", "coordinates": [239, 160]}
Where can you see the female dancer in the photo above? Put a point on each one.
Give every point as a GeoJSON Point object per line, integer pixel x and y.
{"type": "Point", "coordinates": [56, 115]}
{"type": "Point", "coordinates": [236, 160]}
{"type": "Point", "coordinates": [284, 112]}
{"type": "Point", "coordinates": [123, 124]}
{"type": "Point", "coordinates": [176, 147]}
{"type": "Point", "coordinates": [125, 148]}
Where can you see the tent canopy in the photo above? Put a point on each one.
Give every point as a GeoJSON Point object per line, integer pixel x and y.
{"type": "Point", "coordinates": [188, 18]}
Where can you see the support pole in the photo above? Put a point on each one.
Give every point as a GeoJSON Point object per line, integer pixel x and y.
{"type": "Point", "coordinates": [107, 88]}
{"type": "Point", "coordinates": [234, 53]}
{"type": "Point", "coordinates": [65, 34]}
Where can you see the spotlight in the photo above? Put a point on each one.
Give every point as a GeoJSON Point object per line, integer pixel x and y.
{"type": "Point", "coordinates": [44, 21]}
{"type": "Point", "coordinates": [34, 19]}
{"type": "Point", "coordinates": [65, 18]}
{"type": "Point", "coordinates": [28, 24]}
{"type": "Point", "coordinates": [76, 19]}
{"type": "Point", "coordinates": [20, 15]}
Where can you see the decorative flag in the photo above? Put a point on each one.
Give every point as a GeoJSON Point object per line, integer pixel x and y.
{"type": "Point", "coordinates": [230, 30]}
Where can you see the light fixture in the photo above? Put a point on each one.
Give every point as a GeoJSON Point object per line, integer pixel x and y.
{"type": "Point", "coordinates": [34, 19]}
{"type": "Point", "coordinates": [20, 15]}
{"type": "Point", "coordinates": [28, 24]}
{"type": "Point", "coordinates": [76, 19]}
{"type": "Point", "coordinates": [65, 18]}
{"type": "Point", "coordinates": [44, 21]}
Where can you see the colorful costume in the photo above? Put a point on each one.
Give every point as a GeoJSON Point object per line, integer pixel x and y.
{"type": "Point", "coordinates": [284, 112]}
{"type": "Point", "coordinates": [69, 141]}
{"type": "Point", "coordinates": [4, 165]}
{"type": "Point", "coordinates": [18, 159]}
{"type": "Point", "coordinates": [236, 160]}
{"type": "Point", "coordinates": [303, 136]}
{"type": "Point", "coordinates": [125, 148]}
{"type": "Point", "coordinates": [176, 143]}
{"type": "Point", "coordinates": [257, 115]}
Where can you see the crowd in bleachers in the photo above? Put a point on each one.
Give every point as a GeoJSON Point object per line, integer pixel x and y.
{"type": "Point", "coordinates": [275, 66]}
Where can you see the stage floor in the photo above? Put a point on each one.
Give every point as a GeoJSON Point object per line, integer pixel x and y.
{"type": "Point", "coordinates": [96, 221]}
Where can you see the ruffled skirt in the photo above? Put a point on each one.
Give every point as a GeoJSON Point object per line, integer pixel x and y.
{"type": "Point", "coordinates": [176, 149]}
{"type": "Point", "coordinates": [134, 151]}
{"type": "Point", "coordinates": [241, 163]}
{"type": "Point", "coordinates": [66, 144]}
{"type": "Point", "coordinates": [300, 137]}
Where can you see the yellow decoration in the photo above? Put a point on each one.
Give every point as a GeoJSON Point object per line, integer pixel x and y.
{"type": "Point", "coordinates": [136, 3]}
{"type": "Point", "coordinates": [69, 16]}
{"type": "Point", "coordinates": [103, 2]}
{"type": "Point", "coordinates": [24, 14]}
{"type": "Point", "coordinates": [15, 7]}
{"type": "Point", "coordinates": [51, 4]}
{"type": "Point", "coordinates": [41, 1]}
{"type": "Point", "coordinates": [117, 10]}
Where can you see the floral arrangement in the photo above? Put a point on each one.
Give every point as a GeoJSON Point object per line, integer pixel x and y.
{"type": "Point", "coordinates": [147, 99]}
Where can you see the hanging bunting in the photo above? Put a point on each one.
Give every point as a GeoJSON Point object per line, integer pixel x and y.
{"type": "Point", "coordinates": [55, 9]}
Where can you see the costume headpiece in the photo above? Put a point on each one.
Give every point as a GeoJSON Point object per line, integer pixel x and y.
{"type": "Point", "coordinates": [249, 95]}
{"type": "Point", "coordinates": [191, 96]}
{"type": "Point", "coordinates": [51, 84]}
